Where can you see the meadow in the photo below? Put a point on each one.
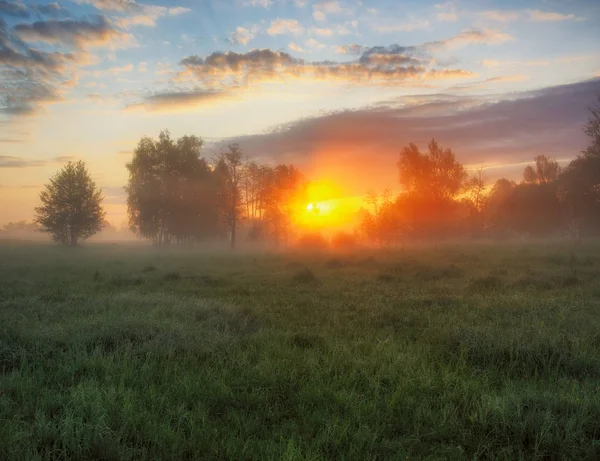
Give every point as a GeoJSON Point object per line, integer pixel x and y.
{"type": "Point", "coordinates": [470, 351]}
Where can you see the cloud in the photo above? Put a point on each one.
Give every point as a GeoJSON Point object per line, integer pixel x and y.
{"type": "Point", "coordinates": [323, 8]}
{"type": "Point", "coordinates": [394, 65]}
{"type": "Point", "coordinates": [179, 99]}
{"type": "Point", "coordinates": [401, 27]}
{"type": "Point", "coordinates": [537, 15]}
{"type": "Point", "coordinates": [111, 5]}
{"type": "Point", "coordinates": [76, 33]}
{"type": "Point", "coordinates": [285, 27]}
{"type": "Point", "coordinates": [319, 16]}
{"type": "Point", "coordinates": [447, 12]}
{"type": "Point", "coordinates": [18, 10]}
{"type": "Point", "coordinates": [322, 32]}
{"type": "Point", "coordinates": [23, 11]}
{"type": "Point", "coordinates": [32, 78]}
{"type": "Point", "coordinates": [7, 161]}
{"type": "Point", "coordinates": [312, 43]}
{"type": "Point", "coordinates": [147, 15]}
{"type": "Point", "coordinates": [500, 15]}
{"type": "Point", "coordinates": [296, 48]}
{"type": "Point", "coordinates": [470, 37]}
{"type": "Point", "coordinates": [352, 48]}
{"type": "Point", "coordinates": [532, 15]}
{"type": "Point", "coordinates": [261, 3]}
{"type": "Point", "coordinates": [241, 36]}
{"type": "Point", "coordinates": [479, 131]}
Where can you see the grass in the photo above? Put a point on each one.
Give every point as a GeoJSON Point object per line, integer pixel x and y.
{"type": "Point", "coordinates": [460, 352]}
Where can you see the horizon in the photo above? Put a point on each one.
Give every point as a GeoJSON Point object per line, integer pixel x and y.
{"type": "Point", "coordinates": [336, 88]}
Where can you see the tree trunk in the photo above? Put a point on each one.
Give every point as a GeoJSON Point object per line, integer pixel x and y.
{"type": "Point", "coordinates": [233, 225]}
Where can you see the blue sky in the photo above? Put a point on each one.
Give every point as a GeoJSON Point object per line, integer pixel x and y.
{"type": "Point", "coordinates": [86, 79]}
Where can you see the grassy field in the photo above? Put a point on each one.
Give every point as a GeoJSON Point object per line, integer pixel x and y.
{"type": "Point", "coordinates": [460, 352]}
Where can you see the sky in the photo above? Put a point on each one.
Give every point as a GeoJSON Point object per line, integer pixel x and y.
{"type": "Point", "coordinates": [336, 87]}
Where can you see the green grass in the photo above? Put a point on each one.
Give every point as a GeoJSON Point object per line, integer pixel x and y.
{"type": "Point", "coordinates": [461, 352]}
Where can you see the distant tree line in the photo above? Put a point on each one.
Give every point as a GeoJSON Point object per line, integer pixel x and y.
{"type": "Point", "coordinates": [175, 195]}
{"type": "Point", "coordinates": [439, 199]}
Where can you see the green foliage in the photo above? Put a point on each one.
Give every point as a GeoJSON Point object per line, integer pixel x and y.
{"type": "Point", "coordinates": [471, 366]}
{"type": "Point", "coordinates": [172, 193]}
{"type": "Point", "coordinates": [71, 208]}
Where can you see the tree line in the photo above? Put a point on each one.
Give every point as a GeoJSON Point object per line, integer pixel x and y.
{"type": "Point", "coordinates": [439, 199]}
{"type": "Point", "coordinates": [177, 196]}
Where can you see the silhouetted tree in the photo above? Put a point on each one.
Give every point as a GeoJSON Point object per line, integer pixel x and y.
{"type": "Point", "coordinates": [430, 182]}
{"type": "Point", "coordinates": [533, 209]}
{"type": "Point", "coordinates": [474, 198]}
{"type": "Point", "coordinates": [546, 171]}
{"type": "Point", "coordinates": [172, 192]}
{"type": "Point", "coordinates": [495, 223]}
{"type": "Point", "coordinates": [579, 183]}
{"type": "Point", "coordinates": [71, 208]}
{"type": "Point", "coordinates": [231, 174]}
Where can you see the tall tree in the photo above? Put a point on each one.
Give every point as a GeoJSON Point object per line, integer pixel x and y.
{"type": "Point", "coordinates": [546, 171]}
{"type": "Point", "coordinates": [592, 130]}
{"type": "Point", "coordinates": [171, 193]}
{"type": "Point", "coordinates": [579, 184]}
{"type": "Point", "coordinates": [474, 193]}
{"type": "Point", "coordinates": [431, 181]}
{"type": "Point", "coordinates": [71, 209]}
{"type": "Point", "coordinates": [436, 174]}
{"type": "Point", "coordinates": [231, 172]}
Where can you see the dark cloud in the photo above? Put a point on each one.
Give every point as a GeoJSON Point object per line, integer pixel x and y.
{"type": "Point", "coordinates": [64, 159]}
{"type": "Point", "coordinates": [30, 77]}
{"type": "Point", "coordinates": [71, 32]}
{"type": "Point", "coordinates": [174, 99]}
{"type": "Point", "coordinates": [7, 161]}
{"type": "Point", "coordinates": [362, 145]}
{"type": "Point", "coordinates": [378, 65]}
{"type": "Point", "coordinates": [18, 10]}
{"type": "Point", "coordinates": [25, 11]}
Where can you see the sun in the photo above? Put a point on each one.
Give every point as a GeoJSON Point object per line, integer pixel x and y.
{"type": "Point", "coordinates": [313, 207]}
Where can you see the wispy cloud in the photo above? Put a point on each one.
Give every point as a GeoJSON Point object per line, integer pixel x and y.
{"type": "Point", "coordinates": [390, 27]}
{"type": "Point", "coordinates": [242, 36]}
{"type": "Point", "coordinates": [531, 15]}
{"type": "Point", "coordinates": [471, 37]}
{"type": "Point", "coordinates": [285, 27]}
{"type": "Point", "coordinates": [260, 3]}
{"type": "Point", "coordinates": [182, 99]}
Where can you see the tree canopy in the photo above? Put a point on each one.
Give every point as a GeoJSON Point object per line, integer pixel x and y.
{"type": "Point", "coordinates": [71, 209]}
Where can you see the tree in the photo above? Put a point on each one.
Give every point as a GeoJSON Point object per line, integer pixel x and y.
{"type": "Point", "coordinates": [579, 183]}
{"type": "Point", "coordinates": [474, 189]}
{"type": "Point", "coordinates": [436, 175]}
{"type": "Point", "coordinates": [431, 182]}
{"type": "Point", "coordinates": [71, 208]}
{"type": "Point", "coordinates": [592, 130]}
{"type": "Point", "coordinates": [172, 192]}
{"type": "Point", "coordinates": [231, 173]}
{"type": "Point", "coordinates": [533, 209]}
{"type": "Point", "coordinates": [546, 171]}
